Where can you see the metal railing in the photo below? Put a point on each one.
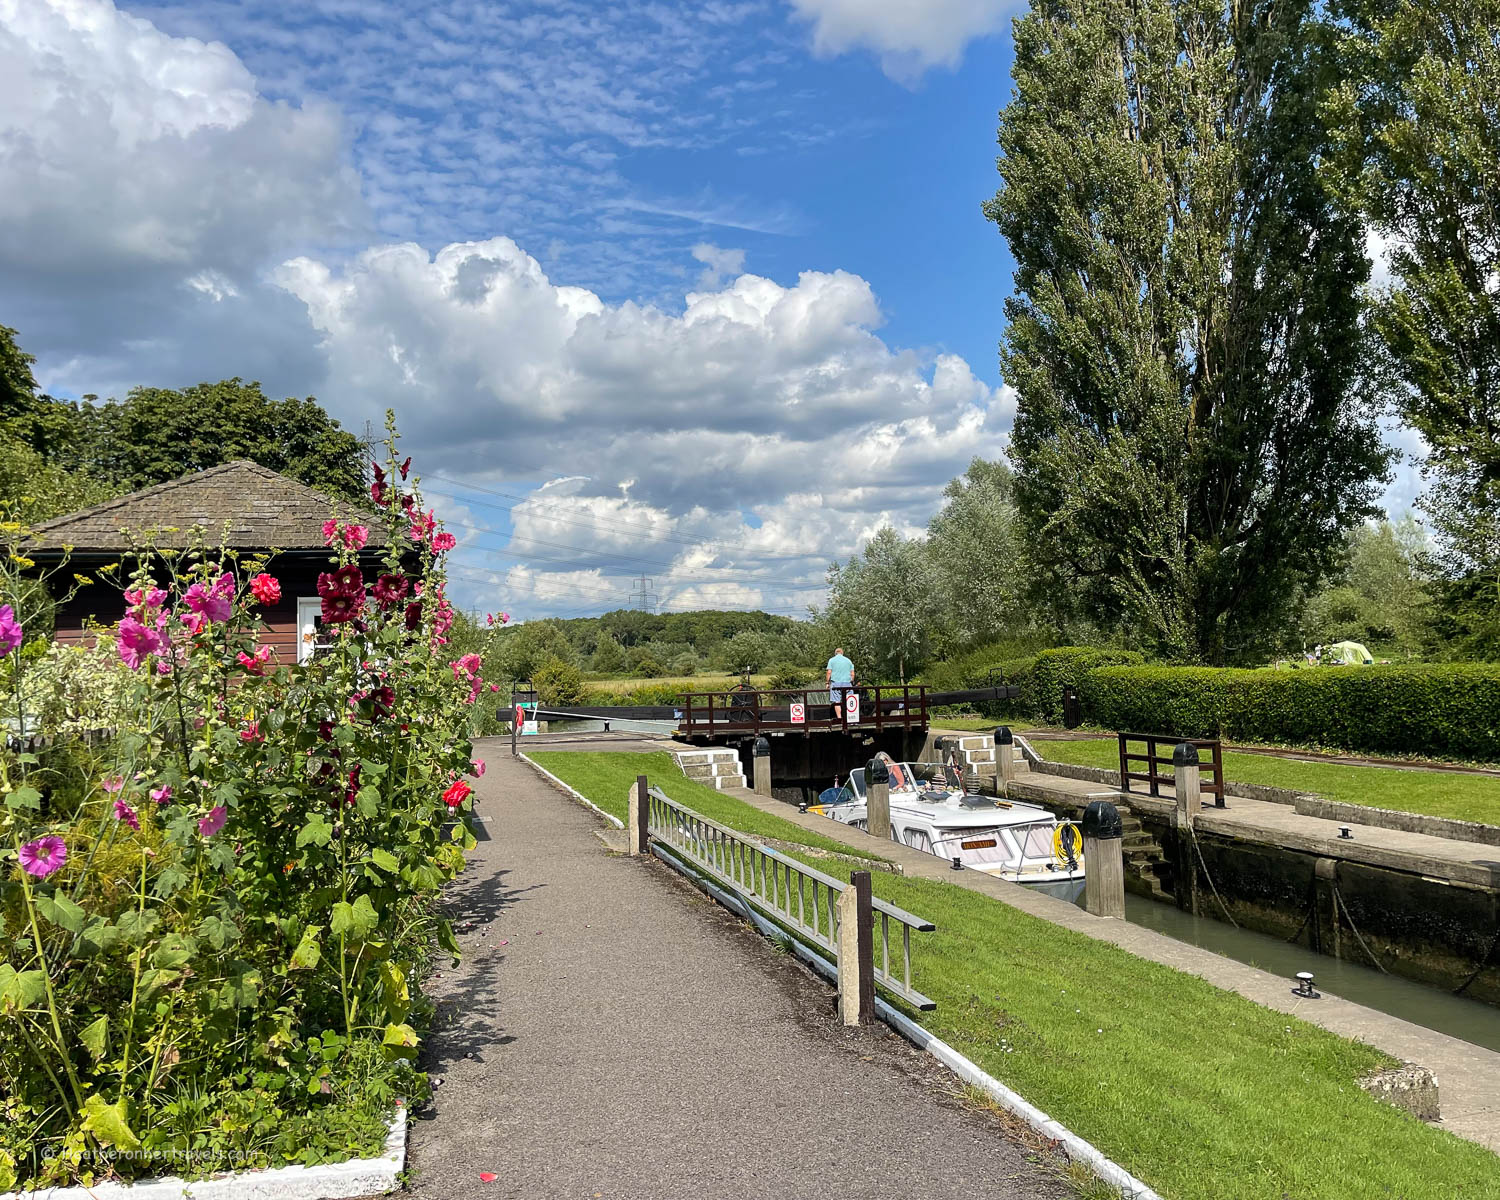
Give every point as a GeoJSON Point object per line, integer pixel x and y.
{"type": "Point", "coordinates": [752, 710]}
{"type": "Point", "coordinates": [802, 899]}
{"type": "Point", "coordinates": [1211, 778]}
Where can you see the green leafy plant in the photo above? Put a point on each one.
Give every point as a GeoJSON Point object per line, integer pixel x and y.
{"type": "Point", "coordinates": [214, 921]}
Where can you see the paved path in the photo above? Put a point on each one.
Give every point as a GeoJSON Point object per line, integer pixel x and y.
{"type": "Point", "coordinates": [613, 1034]}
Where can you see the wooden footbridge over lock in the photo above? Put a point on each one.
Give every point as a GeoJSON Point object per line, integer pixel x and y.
{"type": "Point", "coordinates": [804, 736]}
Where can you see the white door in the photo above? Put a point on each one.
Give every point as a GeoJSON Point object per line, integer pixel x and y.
{"type": "Point", "coordinates": [307, 630]}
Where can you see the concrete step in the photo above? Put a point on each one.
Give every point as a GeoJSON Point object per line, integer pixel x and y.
{"type": "Point", "coordinates": [977, 741]}
{"type": "Point", "coordinates": [730, 781]}
{"type": "Point", "coordinates": [684, 757]}
{"type": "Point", "coordinates": [979, 756]}
{"type": "Point", "coordinates": [711, 770]}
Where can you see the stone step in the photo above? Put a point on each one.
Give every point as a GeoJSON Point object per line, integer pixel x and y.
{"type": "Point", "coordinates": [978, 741]}
{"type": "Point", "coordinates": [730, 781]}
{"type": "Point", "coordinates": [684, 757]}
{"type": "Point", "coordinates": [979, 756]}
{"type": "Point", "coordinates": [711, 770]}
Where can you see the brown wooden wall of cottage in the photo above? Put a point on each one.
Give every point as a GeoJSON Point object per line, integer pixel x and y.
{"type": "Point", "coordinates": [102, 603]}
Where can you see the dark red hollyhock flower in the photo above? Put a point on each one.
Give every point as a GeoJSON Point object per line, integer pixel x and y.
{"type": "Point", "coordinates": [325, 730]}
{"type": "Point", "coordinates": [349, 579]}
{"type": "Point", "coordinates": [390, 590]}
{"type": "Point", "coordinates": [328, 584]}
{"type": "Point", "coordinates": [384, 698]}
{"type": "Point", "coordinates": [414, 615]}
{"type": "Point", "coordinates": [353, 789]}
{"type": "Point", "coordinates": [407, 501]}
{"type": "Point", "coordinates": [341, 607]}
{"type": "Point", "coordinates": [406, 466]}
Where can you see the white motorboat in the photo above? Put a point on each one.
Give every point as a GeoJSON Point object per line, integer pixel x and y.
{"type": "Point", "coordinates": [931, 811]}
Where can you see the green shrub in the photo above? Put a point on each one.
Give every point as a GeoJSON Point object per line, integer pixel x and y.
{"type": "Point", "coordinates": [1450, 709]}
{"type": "Point", "coordinates": [789, 675]}
{"type": "Point", "coordinates": [1042, 686]}
{"type": "Point", "coordinates": [558, 683]}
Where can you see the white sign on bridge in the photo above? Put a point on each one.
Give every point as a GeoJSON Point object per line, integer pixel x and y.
{"type": "Point", "coordinates": [799, 714]}
{"type": "Point", "coordinates": [851, 707]}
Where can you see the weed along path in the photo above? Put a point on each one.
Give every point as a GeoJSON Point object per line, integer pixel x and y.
{"type": "Point", "coordinates": [611, 1033]}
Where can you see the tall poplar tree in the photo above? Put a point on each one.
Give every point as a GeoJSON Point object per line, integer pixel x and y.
{"type": "Point", "coordinates": [1419, 111]}
{"type": "Point", "coordinates": [1191, 443]}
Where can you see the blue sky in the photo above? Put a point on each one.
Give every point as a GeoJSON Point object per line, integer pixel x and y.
{"type": "Point", "coordinates": [698, 291]}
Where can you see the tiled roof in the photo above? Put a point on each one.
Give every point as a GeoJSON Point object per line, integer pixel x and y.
{"type": "Point", "coordinates": [262, 509]}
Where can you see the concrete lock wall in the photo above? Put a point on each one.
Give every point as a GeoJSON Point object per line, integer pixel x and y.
{"type": "Point", "coordinates": [803, 764]}
{"type": "Point", "coordinates": [1420, 928]}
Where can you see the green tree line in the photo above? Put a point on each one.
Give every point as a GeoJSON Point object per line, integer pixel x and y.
{"type": "Point", "coordinates": [57, 456]}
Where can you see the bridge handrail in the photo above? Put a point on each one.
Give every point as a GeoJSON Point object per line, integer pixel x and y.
{"type": "Point", "coordinates": [746, 710]}
{"type": "Point", "coordinates": [759, 874]}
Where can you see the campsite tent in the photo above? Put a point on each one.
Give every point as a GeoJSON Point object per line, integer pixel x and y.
{"type": "Point", "coordinates": [1349, 654]}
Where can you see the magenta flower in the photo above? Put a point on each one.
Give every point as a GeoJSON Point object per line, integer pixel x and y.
{"type": "Point", "coordinates": [211, 824]}
{"type": "Point", "coordinates": [478, 765]}
{"type": "Point", "coordinates": [112, 784]}
{"type": "Point", "coordinates": [137, 642]}
{"type": "Point", "coordinates": [355, 536]}
{"type": "Point", "coordinates": [146, 600]}
{"type": "Point", "coordinates": [444, 541]}
{"type": "Point", "coordinates": [43, 856]}
{"type": "Point", "coordinates": [10, 630]}
{"type": "Point", "coordinates": [505, 618]}
{"type": "Point", "coordinates": [210, 603]}
{"type": "Point", "coordinates": [162, 794]}
{"type": "Point", "coordinates": [124, 812]}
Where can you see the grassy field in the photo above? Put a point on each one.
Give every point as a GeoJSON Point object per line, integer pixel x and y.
{"type": "Point", "coordinates": [978, 724]}
{"type": "Point", "coordinates": [683, 683]}
{"type": "Point", "coordinates": [1199, 1092]}
{"type": "Point", "coordinates": [1435, 793]}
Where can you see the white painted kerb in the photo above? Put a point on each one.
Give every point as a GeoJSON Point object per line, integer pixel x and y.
{"type": "Point", "coordinates": [572, 791]}
{"type": "Point", "coordinates": [331, 1181]}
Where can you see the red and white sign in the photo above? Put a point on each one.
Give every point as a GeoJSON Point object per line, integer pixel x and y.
{"type": "Point", "coordinates": [799, 714]}
{"type": "Point", "coordinates": [851, 707]}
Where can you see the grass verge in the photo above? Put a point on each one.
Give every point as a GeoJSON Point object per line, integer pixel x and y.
{"type": "Point", "coordinates": [1201, 1093]}
{"type": "Point", "coordinates": [1433, 793]}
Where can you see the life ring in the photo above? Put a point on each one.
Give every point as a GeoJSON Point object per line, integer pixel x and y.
{"type": "Point", "coordinates": [1067, 843]}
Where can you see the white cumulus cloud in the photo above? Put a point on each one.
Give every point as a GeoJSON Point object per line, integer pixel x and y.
{"type": "Point", "coordinates": [910, 36]}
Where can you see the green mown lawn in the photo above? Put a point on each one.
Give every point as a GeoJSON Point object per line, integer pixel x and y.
{"type": "Point", "coordinates": [1201, 1093]}
{"type": "Point", "coordinates": [1435, 793]}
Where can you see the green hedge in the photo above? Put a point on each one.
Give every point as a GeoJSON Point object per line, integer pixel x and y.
{"type": "Point", "coordinates": [1042, 686]}
{"type": "Point", "coordinates": [1450, 710]}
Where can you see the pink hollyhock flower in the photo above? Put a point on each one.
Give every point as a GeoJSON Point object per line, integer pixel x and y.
{"type": "Point", "coordinates": [196, 622]}
{"type": "Point", "coordinates": [43, 856]}
{"type": "Point", "coordinates": [458, 791]}
{"type": "Point", "coordinates": [137, 642]}
{"type": "Point", "coordinates": [162, 794]}
{"type": "Point", "coordinates": [145, 600]}
{"type": "Point", "coordinates": [251, 734]}
{"type": "Point", "coordinates": [478, 765]}
{"type": "Point", "coordinates": [124, 812]}
{"type": "Point", "coordinates": [422, 525]}
{"type": "Point", "coordinates": [341, 607]}
{"type": "Point", "coordinates": [494, 687]}
{"type": "Point", "coordinates": [330, 530]}
{"type": "Point", "coordinates": [355, 536]}
{"type": "Point", "coordinates": [505, 618]}
{"type": "Point", "coordinates": [390, 590]}
{"type": "Point", "coordinates": [443, 542]}
{"type": "Point", "coordinates": [265, 588]}
{"type": "Point", "coordinates": [112, 784]}
{"type": "Point", "coordinates": [209, 602]}
{"type": "Point", "coordinates": [211, 824]}
{"type": "Point", "coordinates": [466, 667]}
{"type": "Point", "coordinates": [255, 664]}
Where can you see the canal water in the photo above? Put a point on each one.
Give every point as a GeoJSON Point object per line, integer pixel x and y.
{"type": "Point", "coordinates": [1429, 1007]}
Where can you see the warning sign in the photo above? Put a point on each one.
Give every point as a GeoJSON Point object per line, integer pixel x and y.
{"type": "Point", "coordinates": [851, 707]}
{"type": "Point", "coordinates": [799, 714]}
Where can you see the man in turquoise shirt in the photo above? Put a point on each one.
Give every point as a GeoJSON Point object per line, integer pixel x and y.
{"type": "Point", "coordinates": [840, 677]}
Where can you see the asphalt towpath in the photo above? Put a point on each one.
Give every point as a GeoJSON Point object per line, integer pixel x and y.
{"type": "Point", "coordinates": [613, 1034]}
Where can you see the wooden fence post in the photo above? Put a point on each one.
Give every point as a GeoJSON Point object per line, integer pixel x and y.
{"type": "Point", "coordinates": [856, 952]}
{"type": "Point", "coordinates": [1185, 780]}
{"type": "Point", "coordinates": [640, 817]}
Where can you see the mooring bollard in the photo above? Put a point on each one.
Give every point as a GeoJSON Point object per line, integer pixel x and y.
{"type": "Point", "coordinates": [856, 952]}
{"type": "Point", "coordinates": [760, 767]}
{"type": "Point", "coordinates": [1005, 758]}
{"type": "Point", "coordinates": [638, 828]}
{"type": "Point", "coordinates": [1185, 782]}
{"type": "Point", "coordinates": [878, 798]}
{"type": "Point", "coordinates": [1189, 800]}
{"type": "Point", "coordinates": [1103, 860]}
